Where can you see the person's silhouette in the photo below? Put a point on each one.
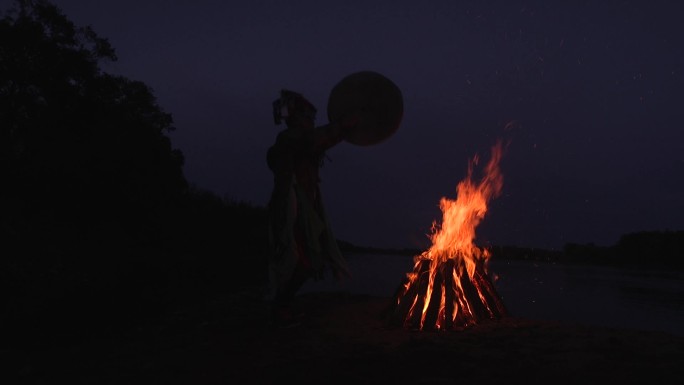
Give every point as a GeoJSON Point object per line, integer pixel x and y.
{"type": "Point", "coordinates": [301, 239]}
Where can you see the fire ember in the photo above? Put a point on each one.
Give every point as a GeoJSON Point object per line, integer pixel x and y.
{"type": "Point", "coordinates": [449, 287]}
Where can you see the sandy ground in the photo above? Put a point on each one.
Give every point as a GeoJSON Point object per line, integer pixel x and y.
{"type": "Point", "coordinates": [343, 340]}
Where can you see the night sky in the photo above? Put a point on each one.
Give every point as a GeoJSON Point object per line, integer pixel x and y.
{"type": "Point", "coordinates": [590, 96]}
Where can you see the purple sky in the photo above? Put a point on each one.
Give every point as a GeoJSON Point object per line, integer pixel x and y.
{"type": "Point", "coordinates": [594, 93]}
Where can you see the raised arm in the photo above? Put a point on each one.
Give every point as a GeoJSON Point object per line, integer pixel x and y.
{"type": "Point", "coordinates": [331, 134]}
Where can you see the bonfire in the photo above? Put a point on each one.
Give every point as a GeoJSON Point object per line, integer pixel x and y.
{"type": "Point", "coordinates": [450, 287]}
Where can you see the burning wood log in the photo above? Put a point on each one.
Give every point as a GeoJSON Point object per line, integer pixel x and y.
{"type": "Point", "coordinates": [445, 298]}
{"type": "Point", "coordinates": [449, 287]}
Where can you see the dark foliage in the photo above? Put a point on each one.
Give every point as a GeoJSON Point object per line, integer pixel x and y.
{"type": "Point", "coordinates": [98, 225]}
{"type": "Point", "coordinates": [78, 144]}
{"type": "Point", "coordinates": [646, 249]}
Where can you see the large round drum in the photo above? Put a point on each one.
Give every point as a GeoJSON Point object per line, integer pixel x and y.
{"type": "Point", "coordinates": [374, 99]}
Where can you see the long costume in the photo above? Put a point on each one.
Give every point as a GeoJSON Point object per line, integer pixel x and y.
{"type": "Point", "coordinates": [301, 239]}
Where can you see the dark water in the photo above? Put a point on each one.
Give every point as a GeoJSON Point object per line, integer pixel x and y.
{"type": "Point", "coordinates": [602, 296]}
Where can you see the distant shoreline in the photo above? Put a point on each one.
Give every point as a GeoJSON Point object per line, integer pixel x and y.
{"type": "Point", "coordinates": [653, 249]}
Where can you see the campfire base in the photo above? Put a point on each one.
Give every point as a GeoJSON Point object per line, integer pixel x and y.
{"type": "Point", "coordinates": [452, 301]}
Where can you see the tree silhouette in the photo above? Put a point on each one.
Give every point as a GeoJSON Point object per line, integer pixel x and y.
{"type": "Point", "coordinates": [96, 217]}
{"type": "Point", "coordinates": [77, 143]}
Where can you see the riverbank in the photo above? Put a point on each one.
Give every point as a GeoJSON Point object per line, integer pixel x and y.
{"type": "Point", "coordinates": [343, 340]}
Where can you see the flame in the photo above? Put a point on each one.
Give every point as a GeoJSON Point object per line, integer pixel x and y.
{"type": "Point", "coordinates": [449, 285]}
